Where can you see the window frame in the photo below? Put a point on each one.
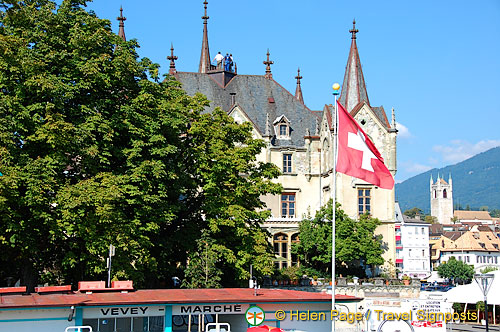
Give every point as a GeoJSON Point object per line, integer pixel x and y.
{"type": "Point", "coordinates": [287, 165]}
{"type": "Point", "coordinates": [287, 201]}
{"type": "Point", "coordinates": [362, 200]}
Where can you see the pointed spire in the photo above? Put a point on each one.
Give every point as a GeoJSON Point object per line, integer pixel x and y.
{"type": "Point", "coordinates": [393, 119]}
{"type": "Point", "coordinates": [205, 52]}
{"type": "Point", "coordinates": [268, 64]}
{"type": "Point", "coordinates": [354, 87]}
{"type": "Point", "coordinates": [298, 89]}
{"type": "Point", "coordinates": [121, 30]}
{"type": "Point", "coordinates": [432, 181]}
{"type": "Point", "coordinates": [172, 59]}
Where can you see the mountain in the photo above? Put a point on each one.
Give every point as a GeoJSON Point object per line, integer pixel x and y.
{"type": "Point", "coordinates": [476, 182]}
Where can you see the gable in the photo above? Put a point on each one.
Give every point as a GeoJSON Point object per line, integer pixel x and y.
{"type": "Point", "coordinates": [239, 116]}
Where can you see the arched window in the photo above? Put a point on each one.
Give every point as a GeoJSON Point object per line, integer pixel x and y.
{"type": "Point", "coordinates": [435, 194]}
{"type": "Point", "coordinates": [295, 239]}
{"type": "Point", "coordinates": [280, 243]}
{"type": "Point", "coordinates": [445, 194]}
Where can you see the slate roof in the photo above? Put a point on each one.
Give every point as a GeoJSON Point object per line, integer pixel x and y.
{"type": "Point", "coordinates": [257, 96]}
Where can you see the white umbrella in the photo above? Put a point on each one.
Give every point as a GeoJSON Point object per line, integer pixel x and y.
{"type": "Point", "coordinates": [471, 293]}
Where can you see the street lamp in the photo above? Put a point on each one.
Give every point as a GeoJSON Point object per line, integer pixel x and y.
{"type": "Point", "coordinates": [484, 282]}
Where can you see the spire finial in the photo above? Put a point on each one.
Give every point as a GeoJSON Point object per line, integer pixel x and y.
{"type": "Point", "coordinates": [205, 17]}
{"type": "Point", "coordinates": [353, 31]}
{"type": "Point", "coordinates": [172, 59]}
{"type": "Point", "coordinates": [121, 19]}
{"type": "Point", "coordinates": [298, 77]}
{"type": "Point", "coordinates": [298, 90]}
{"type": "Point", "coordinates": [268, 64]}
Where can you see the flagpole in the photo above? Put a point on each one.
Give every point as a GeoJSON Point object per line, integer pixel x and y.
{"type": "Point", "coordinates": [336, 88]}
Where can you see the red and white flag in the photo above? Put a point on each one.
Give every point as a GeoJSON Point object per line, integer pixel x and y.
{"type": "Point", "coordinates": [357, 155]}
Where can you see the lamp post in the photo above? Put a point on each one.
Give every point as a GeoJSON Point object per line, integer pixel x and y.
{"type": "Point", "coordinates": [336, 88]}
{"type": "Point", "coordinates": [484, 282]}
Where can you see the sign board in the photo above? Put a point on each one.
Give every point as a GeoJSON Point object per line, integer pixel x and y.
{"type": "Point", "coordinates": [222, 309]}
{"type": "Point", "coordinates": [123, 311]}
{"type": "Point", "coordinates": [407, 316]}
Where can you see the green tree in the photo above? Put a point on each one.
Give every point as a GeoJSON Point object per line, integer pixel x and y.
{"type": "Point", "coordinates": [230, 183]}
{"type": "Point", "coordinates": [96, 150]}
{"type": "Point", "coordinates": [413, 212]}
{"type": "Point", "coordinates": [457, 271]}
{"type": "Point", "coordinates": [431, 219]}
{"type": "Point", "coordinates": [356, 245]}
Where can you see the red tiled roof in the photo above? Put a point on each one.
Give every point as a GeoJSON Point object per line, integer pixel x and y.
{"type": "Point", "coordinates": [167, 296]}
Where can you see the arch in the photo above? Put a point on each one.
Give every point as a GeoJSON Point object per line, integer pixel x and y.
{"type": "Point", "coordinates": [445, 194]}
{"type": "Point", "coordinates": [280, 245]}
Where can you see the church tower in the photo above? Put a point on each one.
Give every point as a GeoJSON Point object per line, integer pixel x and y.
{"type": "Point", "coordinates": [442, 199]}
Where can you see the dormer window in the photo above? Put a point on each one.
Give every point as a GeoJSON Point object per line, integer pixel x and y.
{"type": "Point", "coordinates": [282, 127]}
{"type": "Point", "coordinates": [283, 130]}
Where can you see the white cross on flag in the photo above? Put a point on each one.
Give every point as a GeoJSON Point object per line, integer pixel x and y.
{"type": "Point", "coordinates": [357, 155]}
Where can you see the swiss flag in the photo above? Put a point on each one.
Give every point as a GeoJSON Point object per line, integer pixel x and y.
{"type": "Point", "coordinates": [357, 155]}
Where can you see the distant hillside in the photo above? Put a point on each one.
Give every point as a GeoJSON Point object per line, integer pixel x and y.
{"type": "Point", "coordinates": [476, 182]}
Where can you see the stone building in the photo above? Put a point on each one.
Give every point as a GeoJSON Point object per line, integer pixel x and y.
{"type": "Point", "coordinates": [299, 141]}
{"type": "Point", "coordinates": [441, 199]}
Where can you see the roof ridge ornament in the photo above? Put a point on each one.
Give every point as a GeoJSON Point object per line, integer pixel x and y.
{"type": "Point", "coordinates": [268, 64]}
{"type": "Point", "coordinates": [172, 59]}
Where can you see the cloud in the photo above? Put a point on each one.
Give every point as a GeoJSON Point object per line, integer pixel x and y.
{"type": "Point", "coordinates": [416, 167]}
{"type": "Point", "coordinates": [403, 131]}
{"type": "Point", "coordinates": [459, 150]}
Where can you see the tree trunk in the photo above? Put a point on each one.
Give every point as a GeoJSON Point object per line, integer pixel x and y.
{"type": "Point", "coordinates": [29, 276]}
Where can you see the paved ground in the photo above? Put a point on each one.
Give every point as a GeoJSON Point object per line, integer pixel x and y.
{"type": "Point", "coordinates": [472, 328]}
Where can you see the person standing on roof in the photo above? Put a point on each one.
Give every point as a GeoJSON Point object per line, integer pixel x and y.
{"type": "Point", "coordinates": [231, 62]}
{"type": "Point", "coordinates": [218, 58]}
{"type": "Point", "coordinates": [227, 60]}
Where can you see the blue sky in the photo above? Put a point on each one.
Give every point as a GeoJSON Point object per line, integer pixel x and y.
{"type": "Point", "coordinates": [436, 62]}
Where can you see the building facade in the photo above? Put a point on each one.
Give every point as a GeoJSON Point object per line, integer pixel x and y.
{"type": "Point", "coordinates": [478, 246]}
{"type": "Point", "coordinates": [442, 200]}
{"type": "Point", "coordinates": [300, 142]}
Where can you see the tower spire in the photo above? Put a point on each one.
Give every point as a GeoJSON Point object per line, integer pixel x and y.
{"type": "Point", "coordinates": [205, 52]}
{"type": "Point", "coordinates": [354, 87]}
{"type": "Point", "coordinates": [298, 90]}
{"type": "Point", "coordinates": [172, 59]}
{"type": "Point", "coordinates": [268, 64]}
{"type": "Point", "coordinates": [121, 30]}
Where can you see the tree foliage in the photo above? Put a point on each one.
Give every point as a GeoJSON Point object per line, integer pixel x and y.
{"type": "Point", "coordinates": [413, 212]}
{"type": "Point", "coordinates": [457, 271]}
{"type": "Point", "coordinates": [356, 245]}
{"type": "Point", "coordinates": [96, 150]}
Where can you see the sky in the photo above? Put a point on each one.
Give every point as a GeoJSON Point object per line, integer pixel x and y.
{"type": "Point", "coordinates": [437, 63]}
